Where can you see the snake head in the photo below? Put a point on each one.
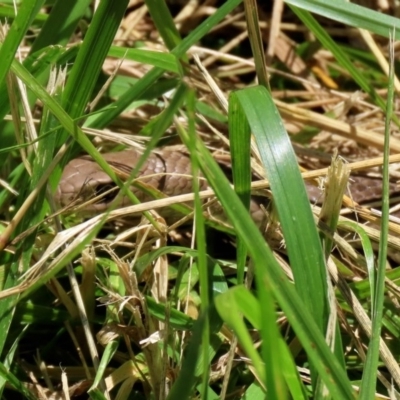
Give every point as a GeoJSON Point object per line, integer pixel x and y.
{"type": "Point", "coordinates": [83, 180]}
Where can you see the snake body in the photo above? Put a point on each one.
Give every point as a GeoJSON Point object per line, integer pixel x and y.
{"type": "Point", "coordinates": [169, 171]}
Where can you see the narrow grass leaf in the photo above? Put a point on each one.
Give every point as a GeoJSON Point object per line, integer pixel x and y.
{"type": "Point", "coordinates": [368, 385]}
{"type": "Point", "coordinates": [60, 24]}
{"type": "Point", "coordinates": [106, 357]}
{"type": "Point", "coordinates": [9, 357]}
{"type": "Point", "coordinates": [15, 36]}
{"type": "Point", "coordinates": [176, 319]}
{"type": "Point", "coordinates": [94, 49]}
{"type": "Point", "coordinates": [164, 22]}
{"type": "Point", "coordinates": [166, 61]}
{"type": "Point", "coordinates": [352, 14]}
{"type": "Point", "coordinates": [239, 135]}
{"type": "Point", "coordinates": [183, 386]}
{"type": "Point", "coordinates": [255, 38]}
{"type": "Point", "coordinates": [368, 253]}
{"type": "Point", "coordinates": [8, 12]}
{"type": "Point", "coordinates": [16, 383]}
{"type": "Point", "coordinates": [205, 289]}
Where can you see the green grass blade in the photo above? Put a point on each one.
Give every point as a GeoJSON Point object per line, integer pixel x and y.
{"type": "Point", "coordinates": [352, 14]}
{"type": "Point", "coordinates": [368, 254]}
{"type": "Point", "coordinates": [8, 13]}
{"type": "Point", "coordinates": [26, 14]}
{"type": "Point", "coordinates": [106, 358]}
{"type": "Point", "coordinates": [183, 386]}
{"type": "Point", "coordinates": [368, 385]}
{"type": "Point", "coordinates": [166, 61]}
{"type": "Point", "coordinates": [60, 24]}
{"type": "Point", "coordinates": [201, 244]}
{"type": "Point", "coordinates": [239, 134]}
{"type": "Point", "coordinates": [94, 49]}
{"type": "Point", "coordinates": [164, 22]}
{"type": "Point", "coordinates": [16, 383]}
{"type": "Point", "coordinates": [9, 357]}
{"type": "Point", "coordinates": [255, 38]}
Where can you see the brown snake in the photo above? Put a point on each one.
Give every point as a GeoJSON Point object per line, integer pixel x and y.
{"type": "Point", "coordinates": [169, 171]}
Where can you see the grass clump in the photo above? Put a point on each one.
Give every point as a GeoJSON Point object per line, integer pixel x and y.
{"type": "Point", "coordinates": [290, 307]}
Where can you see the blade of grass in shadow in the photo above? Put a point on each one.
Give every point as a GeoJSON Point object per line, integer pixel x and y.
{"type": "Point", "coordinates": [60, 24]}
{"type": "Point", "coordinates": [102, 120]}
{"type": "Point", "coordinates": [183, 386]}
{"type": "Point", "coordinates": [16, 383]}
{"type": "Point", "coordinates": [268, 270]}
{"type": "Point", "coordinates": [15, 36]}
{"type": "Point", "coordinates": [164, 22]}
{"type": "Point", "coordinates": [94, 49]}
{"type": "Point", "coordinates": [368, 385]}
{"type": "Point", "coordinates": [9, 356]}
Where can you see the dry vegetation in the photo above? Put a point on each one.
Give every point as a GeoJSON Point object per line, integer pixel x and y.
{"type": "Point", "coordinates": [109, 306]}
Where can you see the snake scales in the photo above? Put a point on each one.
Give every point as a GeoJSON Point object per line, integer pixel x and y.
{"type": "Point", "coordinates": [168, 170]}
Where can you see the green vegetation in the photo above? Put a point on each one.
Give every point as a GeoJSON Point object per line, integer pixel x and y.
{"type": "Point", "coordinates": [109, 308]}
